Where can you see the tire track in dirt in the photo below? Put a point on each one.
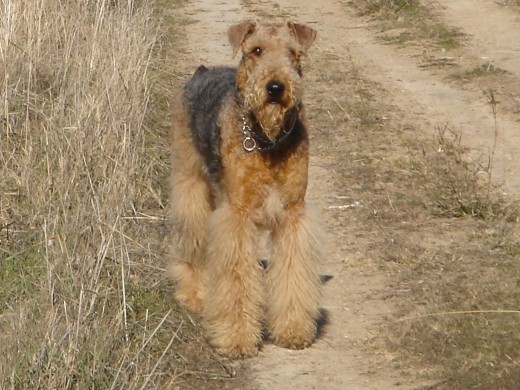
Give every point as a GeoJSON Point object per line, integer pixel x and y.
{"type": "Point", "coordinates": [494, 29]}
{"type": "Point", "coordinates": [435, 102]}
{"type": "Point", "coordinates": [207, 39]}
{"type": "Point", "coordinates": [493, 32]}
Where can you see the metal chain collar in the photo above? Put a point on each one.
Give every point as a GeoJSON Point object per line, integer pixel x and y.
{"type": "Point", "coordinates": [249, 143]}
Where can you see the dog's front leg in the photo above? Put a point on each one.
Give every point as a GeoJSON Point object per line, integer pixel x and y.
{"type": "Point", "coordinates": [234, 297]}
{"type": "Point", "coordinates": [293, 280]}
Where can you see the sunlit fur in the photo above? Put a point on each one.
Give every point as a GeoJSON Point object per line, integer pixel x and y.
{"type": "Point", "coordinates": [279, 57]}
{"type": "Point", "coordinates": [227, 202]}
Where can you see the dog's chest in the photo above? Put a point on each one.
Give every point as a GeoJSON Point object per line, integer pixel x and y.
{"type": "Point", "coordinates": [271, 210]}
{"type": "Point", "coordinates": [265, 184]}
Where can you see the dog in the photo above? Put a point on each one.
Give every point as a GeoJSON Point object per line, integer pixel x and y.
{"type": "Point", "coordinates": [240, 157]}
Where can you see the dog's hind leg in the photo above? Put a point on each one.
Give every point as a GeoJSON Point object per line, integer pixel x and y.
{"type": "Point", "coordinates": [293, 280]}
{"type": "Point", "coordinates": [190, 205]}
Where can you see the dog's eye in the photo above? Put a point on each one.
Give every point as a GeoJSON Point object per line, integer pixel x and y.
{"type": "Point", "coordinates": [257, 51]}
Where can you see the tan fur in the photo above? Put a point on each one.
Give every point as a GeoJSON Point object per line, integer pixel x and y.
{"type": "Point", "coordinates": [293, 280]}
{"type": "Point", "coordinates": [235, 299]}
{"type": "Point", "coordinates": [190, 205]}
{"type": "Point", "coordinates": [281, 52]}
{"type": "Point", "coordinates": [215, 257]}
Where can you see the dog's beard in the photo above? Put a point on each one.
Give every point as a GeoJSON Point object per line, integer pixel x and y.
{"type": "Point", "coordinates": [271, 116]}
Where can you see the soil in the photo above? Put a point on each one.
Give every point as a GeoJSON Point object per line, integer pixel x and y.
{"type": "Point", "coordinates": [428, 96]}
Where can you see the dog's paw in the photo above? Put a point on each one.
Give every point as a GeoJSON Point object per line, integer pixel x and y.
{"type": "Point", "coordinates": [294, 342]}
{"type": "Point", "coordinates": [295, 338]}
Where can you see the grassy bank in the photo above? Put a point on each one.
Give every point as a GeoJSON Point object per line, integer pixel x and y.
{"type": "Point", "coordinates": [83, 298]}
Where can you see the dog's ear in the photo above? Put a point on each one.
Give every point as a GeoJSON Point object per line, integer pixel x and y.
{"type": "Point", "coordinates": [238, 32]}
{"type": "Point", "coordinates": [304, 35]}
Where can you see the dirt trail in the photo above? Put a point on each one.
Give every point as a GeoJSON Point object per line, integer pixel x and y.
{"type": "Point", "coordinates": [494, 29]}
{"type": "Point", "coordinates": [432, 101]}
{"type": "Point", "coordinates": [340, 359]}
{"type": "Point", "coordinates": [494, 38]}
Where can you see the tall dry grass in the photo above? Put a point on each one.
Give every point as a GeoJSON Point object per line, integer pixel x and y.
{"type": "Point", "coordinates": [75, 176]}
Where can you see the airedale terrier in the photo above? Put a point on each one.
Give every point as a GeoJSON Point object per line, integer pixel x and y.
{"type": "Point", "coordinates": [240, 156]}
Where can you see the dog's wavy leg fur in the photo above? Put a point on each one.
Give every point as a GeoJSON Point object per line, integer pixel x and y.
{"type": "Point", "coordinates": [293, 281]}
{"type": "Point", "coordinates": [234, 301]}
{"type": "Point", "coordinates": [190, 205]}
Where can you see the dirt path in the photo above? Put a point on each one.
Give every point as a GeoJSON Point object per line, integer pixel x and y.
{"type": "Point", "coordinates": [494, 38]}
{"type": "Point", "coordinates": [494, 30]}
{"type": "Point", "coordinates": [432, 101]}
{"type": "Point", "coordinates": [341, 359]}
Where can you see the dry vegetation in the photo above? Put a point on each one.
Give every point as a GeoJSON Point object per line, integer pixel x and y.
{"type": "Point", "coordinates": [447, 231]}
{"type": "Point", "coordinates": [398, 21]}
{"type": "Point", "coordinates": [83, 299]}
{"type": "Point", "coordinates": [447, 237]}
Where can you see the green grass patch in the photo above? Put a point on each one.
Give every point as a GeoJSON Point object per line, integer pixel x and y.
{"type": "Point", "coordinates": [409, 22]}
{"type": "Point", "coordinates": [20, 275]}
{"type": "Point", "coordinates": [479, 71]}
{"type": "Point", "coordinates": [388, 8]}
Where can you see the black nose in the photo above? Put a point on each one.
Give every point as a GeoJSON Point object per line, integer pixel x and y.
{"type": "Point", "coordinates": [275, 88]}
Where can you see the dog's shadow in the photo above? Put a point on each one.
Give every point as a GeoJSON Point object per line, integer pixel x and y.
{"type": "Point", "coordinates": [323, 320]}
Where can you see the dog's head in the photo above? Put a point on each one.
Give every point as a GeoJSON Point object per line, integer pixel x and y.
{"type": "Point", "coordinates": [270, 71]}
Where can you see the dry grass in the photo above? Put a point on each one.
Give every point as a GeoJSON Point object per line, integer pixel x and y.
{"type": "Point", "coordinates": [83, 299]}
{"type": "Point", "coordinates": [405, 22]}
{"type": "Point", "coordinates": [443, 229]}
{"type": "Point", "coordinates": [459, 270]}
{"type": "Point", "coordinates": [435, 223]}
